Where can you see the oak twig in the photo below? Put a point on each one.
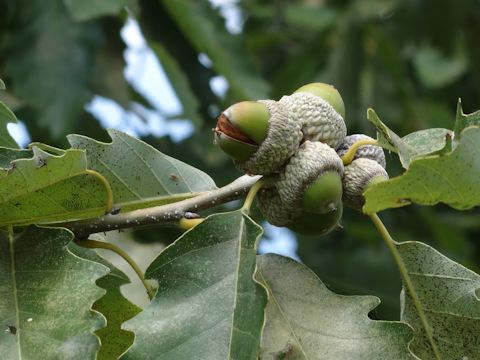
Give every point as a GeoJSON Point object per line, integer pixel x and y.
{"type": "Point", "coordinates": [164, 214]}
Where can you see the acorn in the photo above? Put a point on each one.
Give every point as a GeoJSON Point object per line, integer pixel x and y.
{"type": "Point", "coordinates": [240, 129]}
{"type": "Point", "coordinates": [312, 179]}
{"type": "Point", "coordinates": [317, 224]}
{"type": "Point", "coordinates": [328, 93]}
{"type": "Point", "coordinates": [371, 152]}
{"type": "Point", "coordinates": [358, 176]}
{"type": "Point", "coordinates": [308, 195]}
{"type": "Point", "coordinates": [320, 110]}
{"type": "Point", "coordinates": [300, 221]}
{"type": "Point", "coordinates": [260, 136]}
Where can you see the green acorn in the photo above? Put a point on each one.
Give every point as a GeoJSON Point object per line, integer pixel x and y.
{"type": "Point", "coordinates": [328, 93]}
{"type": "Point", "coordinates": [358, 176]}
{"type": "Point", "coordinates": [320, 110]}
{"type": "Point", "coordinates": [317, 224]}
{"type": "Point", "coordinates": [260, 136]}
{"type": "Point", "coordinates": [298, 220]}
{"type": "Point", "coordinates": [241, 128]}
{"type": "Point", "coordinates": [312, 179]}
{"type": "Point", "coordinates": [308, 195]}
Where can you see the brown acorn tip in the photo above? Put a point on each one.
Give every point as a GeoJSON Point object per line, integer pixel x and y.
{"type": "Point", "coordinates": [226, 127]}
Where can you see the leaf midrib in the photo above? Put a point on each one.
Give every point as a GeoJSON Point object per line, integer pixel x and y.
{"type": "Point", "coordinates": [273, 297]}
{"type": "Point", "coordinates": [14, 286]}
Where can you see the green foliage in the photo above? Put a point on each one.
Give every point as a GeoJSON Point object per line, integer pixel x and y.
{"type": "Point", "coordinates": [307, 321]}
{"type": "Point", "coordinates": [180, 83]}
{"type": "Point", "coordinates": [50, 187]}
{"type": "Point", "coordinates": [61, 48]}
{"type": "Point", "coordinates": [208, 305]}
{"type": "Point", "coordinates": [447, 293]}
{"type": "Point", "coordinates": [204, 29]}
{"type": "Point", "coordinates": [398, 57]}
{"type": "Point", "coordinates": [85, 10]}
{"type": "Point", "coordinates": [40, 303]}
{"type": "Point", "coordinates": [438, 171]}
{"type": "Point", "coordinates": [113, 306]}
{"type": "Point", "coordinates": [8, 155]}
{"type": "Point", "coordinates": [6, 116]}
{"type": "Point", "coordinates": [140, 175]}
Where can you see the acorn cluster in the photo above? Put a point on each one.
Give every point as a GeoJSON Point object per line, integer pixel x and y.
{"type": "Point", "coordinates": [301, 139]}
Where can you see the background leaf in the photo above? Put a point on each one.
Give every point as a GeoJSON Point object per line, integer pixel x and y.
{"type": "Point", "coordinates": [85, 10]}
{"type": "Point", "coordinates": [180, 83]}
{"type": "Point", "coordinates": [451, 179]}
{"type": "Point", "coordinates": [208, 305]}
{"type": "Point", "coordinates": [42, 73]}
{"type": "Point", "coordinates": [305, 320]}
{"type": "Point", "coordinates": [6, 116]}
{"type": "Point", "coordinates": [205, 30]}
{"type": "Point", "coordinates": [448, 293]}
{"type": "Point", "coordinates": [435, 69]}
{"type": "Point", "coordinates": [46, 294]}
{"type": "Point", "coordinates": [140, 175]}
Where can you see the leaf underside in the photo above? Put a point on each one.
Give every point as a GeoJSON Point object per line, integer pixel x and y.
{"type": "Point", "coordinates": [448, 295]}
{"type": "Point", "coordinates": [450, 178]}
{"type": "Point", "coordinates": [305, 320]}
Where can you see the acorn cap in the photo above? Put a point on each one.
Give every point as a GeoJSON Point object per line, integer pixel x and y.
{"type": "Point", "coordinates": [371, 152]}
{"type": "Point", "coordinates": [310, 163]}
{"type": "Point", "coordinates": [358, 175]}
{"type": "Point", "coordinates": [327, 92]}
{"type": "Point", "coordinates": [273, 208]}
{"type": "Point", "coordinates": [318, 119]}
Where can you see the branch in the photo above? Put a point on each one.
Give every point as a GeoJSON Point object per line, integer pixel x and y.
{"type": "Point", "coordinates": [164, 214]}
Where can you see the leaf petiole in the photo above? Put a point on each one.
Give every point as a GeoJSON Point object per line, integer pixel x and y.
{"type": "Point", "coordinates": [254, 190]}
{"type": "Point", "coordinates": [407, 281]}
{"type": "Point", "coordinates": [94, 244]}
{"type": "Point", "coordinates": [347, 158]}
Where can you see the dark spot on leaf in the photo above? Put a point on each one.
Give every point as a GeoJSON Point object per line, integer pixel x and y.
{"type": "Point", "coordinates": [174, 177]}
{"type": "Point", "coordinates": [11, 167]}
{"type": "Point", "coordinates": [284, 354]}
{"type": "Point", "coordinates": [41, 162]}
{"type": "Point", "coordinates": [11, 329]}
{"type": "Point", "coordinates": [115, 211]}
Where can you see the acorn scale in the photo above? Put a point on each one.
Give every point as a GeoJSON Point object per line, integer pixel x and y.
{"type": "Point", "coordinates": [358, 176]}
{"type": "Point", "coordinates": [311, 105]}
{"type": "Point", "coordinates": [312, 178]}
{"type": "Point", "coordinates": [308, 195]}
